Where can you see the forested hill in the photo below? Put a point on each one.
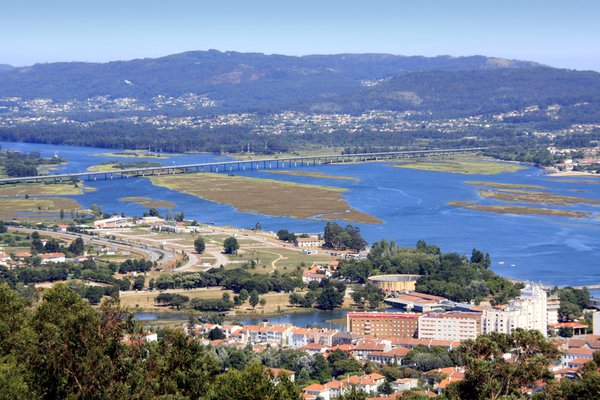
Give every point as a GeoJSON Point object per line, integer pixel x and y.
{"type": "Point", "coordinates": [253, 82]}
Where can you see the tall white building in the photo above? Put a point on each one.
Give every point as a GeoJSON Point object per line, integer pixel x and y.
{"type": "Point", "coordinates": [596, 323]}
{"type": "Point", "coordinates": [553, 305]}
{"type": "Point", "coordinates": [528, 311]}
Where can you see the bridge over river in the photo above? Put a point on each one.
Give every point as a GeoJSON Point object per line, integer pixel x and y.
{"type": "Point", "coordinates": [240, 165]}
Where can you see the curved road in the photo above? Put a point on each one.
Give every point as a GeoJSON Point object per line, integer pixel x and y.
{"type": "Point", "coordinates": [154, 254]}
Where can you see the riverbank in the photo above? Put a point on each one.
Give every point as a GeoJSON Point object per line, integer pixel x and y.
{"type": "Point", "coordinates": [571, 174]}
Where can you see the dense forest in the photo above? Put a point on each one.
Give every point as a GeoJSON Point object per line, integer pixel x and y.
{"type": "Point", "coordinates": [15, 164]}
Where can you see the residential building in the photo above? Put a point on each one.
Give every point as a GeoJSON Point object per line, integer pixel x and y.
{"type": "Point", "coordinates": [383, 324]}
{"type": "Point", "coordinates": [364, 349]}
{"type": "Point", "coordinates": [404, 384]}
{"type": "Point", "coordinates": [311, 241]}
{"type": "Point", "coordinates": [552, 307]}
{"type": "Point", "coordinates": [450, 326]}
{"type": "Point", "coordinates": [112, 222]}
{"type": "Point", "coordinates": [52, 258]}
{"type": "Point", "coordinates": [575, 328]}
{"type": "Point", "coordinates": [528, 311]}
{"type": "Point", "coordinates": [395, 355]}
{"type": "Point", "coordinates": [316, 274]}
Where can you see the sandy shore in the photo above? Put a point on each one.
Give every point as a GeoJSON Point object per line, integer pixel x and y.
{"type": "Point", "coordinates": [574, 173]}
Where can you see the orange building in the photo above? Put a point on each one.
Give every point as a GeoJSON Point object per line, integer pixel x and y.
{"type": "Point", "coordinates": [383, 324]}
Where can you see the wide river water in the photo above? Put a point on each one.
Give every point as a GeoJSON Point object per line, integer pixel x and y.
{"type": "Point", "coordinates": [412, 204]}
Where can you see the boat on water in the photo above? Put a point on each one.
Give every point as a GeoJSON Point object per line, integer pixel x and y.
{"type": "Point", "coordinates": [501, 262]}
{"type": "Point", "coordinates": [513, 265]}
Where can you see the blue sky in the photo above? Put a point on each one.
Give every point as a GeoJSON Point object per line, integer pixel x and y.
{"type": "Point", "coordinates": [558, 33]}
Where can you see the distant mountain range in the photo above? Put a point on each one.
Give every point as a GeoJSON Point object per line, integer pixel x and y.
{"type": "Point", "coordinates": [253, 82]}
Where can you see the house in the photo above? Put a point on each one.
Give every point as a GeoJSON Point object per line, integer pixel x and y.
{"type": "Point", "coordinates": [449, 374]}
{"type": "Point", "coordinates": [62, 228]}
{"type": "Point", "coordinates": [316, 274]}
{"type": "Point", "coordinates": [22, 255]}
{"type": "Point", "coordinates": [575, 328]}
{"type": "Point", "coordinates": [577, 363]}
{"type": "Point", "coordinates": [578, 353]}
{"type": "Point", "coordinates": [316, 391]}
{"type": "Point", "coordinates": [274, 334]}
{"type": "Point", "coordinates": [277, 372]}
{"type": "Point", "coordinates": [364, 349]}
{"type": "Point", "coordinates": [298, 337]}
{"type": "Point", "coordinates": [112, 222]}
{"type": "Point", "coordinates": [395, 355]}
{"type": "Point", "coordinates": [229, 330]}
{"type": "Point", "coordinates": [314, 348]}
{"type": "Point", "coordinates": [346, 338]}
{"type": "Point", "coordinates": [404, 384]}
{"type": "Point", "coordinates": [4, 258]}
{"type": "Point", "coordinates": [52, 258]}
{"type": "Point", "coordinates": [311, 241]}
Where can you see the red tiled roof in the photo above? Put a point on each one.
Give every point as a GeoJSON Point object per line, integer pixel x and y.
{"type": "Point", "coordinates": [51, 255]}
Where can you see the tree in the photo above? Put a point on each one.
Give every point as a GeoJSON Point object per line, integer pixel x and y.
{"type": "Point", "coordinates": [94, 294]}
{"type": "Point", "coordinates": [36, 245]}
{"type": "Point", "coordinates": [52, 245]}
{"type": "Point", "coordinates": [216, 334]}
{"type": "Point", "coordinates": [329, 299]}
{"type": "Point", "coordinates": [230, 246]}
{"type": "Point", "coordinates": [77, 246]}
{"type": "Point", "coordinates": [62, 214]}
{"type": "Point", "coordinates": [489, 375]}
{"type": "Point", "coordinates": [139, 283]}
{"type": "Point", "coordinates": [153, 212]}
{"type": "Point", "coordinates": [263, 302]}
{"type": "Point", "coordinates": [199, 245]}
{"type": "Point", "coordinates": [254, 299]}
{"type": "Point", "coordinates": [2, 227]}
{"type": "Point", "coordinates": [286, 236]}
{"type": "Point", "coordinates": [96, 210]}
{"type": "Point", "coordinates": [244, 295]}
{"type": "Point", "coordinates": [237, 301]}
{"type": "Point", "coordinates": [178, 216]}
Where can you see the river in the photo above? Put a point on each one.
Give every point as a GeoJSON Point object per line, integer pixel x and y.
{"type": "Point", "coordinates": [412, 205]}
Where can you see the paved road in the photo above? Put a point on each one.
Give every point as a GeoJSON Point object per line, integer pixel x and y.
{"type": "Point", "coordinates": [160, 256]}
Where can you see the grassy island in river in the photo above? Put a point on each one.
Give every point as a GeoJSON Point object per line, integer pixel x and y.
{"type": "Point", "coordinates": [267, 196]}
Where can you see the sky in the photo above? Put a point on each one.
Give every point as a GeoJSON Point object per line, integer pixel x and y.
{"type": "Point", "coordinates": [563, 34]}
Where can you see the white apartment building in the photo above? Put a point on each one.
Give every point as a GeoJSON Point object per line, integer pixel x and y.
{"type": "Point", "coordinates": [552, 306]}
{"type": "Point", "coordinates": [453, 326]}
{"type": "Point", "coordinates": [528, 311]}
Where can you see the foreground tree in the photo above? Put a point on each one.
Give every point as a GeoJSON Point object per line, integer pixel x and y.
{"type": "Point", "coordinates": [490, 376]}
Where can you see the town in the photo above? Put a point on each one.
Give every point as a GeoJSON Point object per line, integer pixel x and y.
{"type": "Point", "coordinates": [383, 351]}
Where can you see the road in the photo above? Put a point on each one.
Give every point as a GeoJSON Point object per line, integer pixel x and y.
{"type": "Point", "coordinates": [161, 256]}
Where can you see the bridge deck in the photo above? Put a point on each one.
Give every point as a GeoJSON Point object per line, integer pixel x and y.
{"type": "Point", "coordinates": [227, 166]}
